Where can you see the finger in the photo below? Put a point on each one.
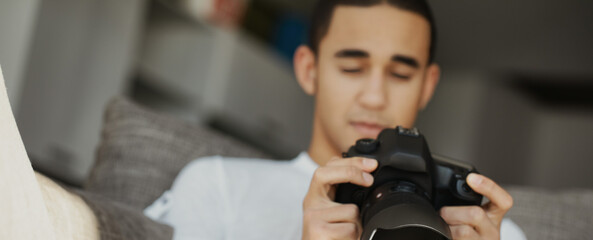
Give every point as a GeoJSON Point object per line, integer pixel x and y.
{"type": "Point", "coordinates": [343, 231]}
{"type": "Point", "coordinates": [366, 164]}
{"type": "Point", "coordinates": [460, 232]}
{"type": "Point", "coordinates": [330, 222]}
{"type": "Point", "coordinates": [325, 177]}
{"type": "Point", "coordinates": [500, 200]}
{"type": "Point", "coordinates": [341, 213]}
{"type": "Point", "coordinates": [473, 216]}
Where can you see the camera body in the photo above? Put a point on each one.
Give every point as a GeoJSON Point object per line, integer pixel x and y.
{"type": "Point", "coordinates": [407, 174]}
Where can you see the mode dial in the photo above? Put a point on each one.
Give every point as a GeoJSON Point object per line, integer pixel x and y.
{"type": "Point", "coordinates": [367, 145]}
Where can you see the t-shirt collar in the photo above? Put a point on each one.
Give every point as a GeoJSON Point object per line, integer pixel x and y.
{"type": "Point", "coordinates": [304, 162]}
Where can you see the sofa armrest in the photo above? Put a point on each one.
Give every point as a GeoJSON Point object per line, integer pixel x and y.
{"type": "Point", "coordinates": [552, 214]}
{"type": "Point", "coordinates": [118, 221]}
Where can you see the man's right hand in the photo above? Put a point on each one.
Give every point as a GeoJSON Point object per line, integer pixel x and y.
{"type": "Point", "coordinates": [322, 217]}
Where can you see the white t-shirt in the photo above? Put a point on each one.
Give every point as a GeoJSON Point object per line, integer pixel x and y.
{"type": "Point", "coordinates": [236, 198]}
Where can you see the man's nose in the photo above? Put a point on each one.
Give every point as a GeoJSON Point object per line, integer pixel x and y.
{"type": "Point", "coordinates": [373, 93]}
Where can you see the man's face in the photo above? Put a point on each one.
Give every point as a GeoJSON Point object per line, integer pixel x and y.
{"type": "Point", "coordinates": [370, 72]}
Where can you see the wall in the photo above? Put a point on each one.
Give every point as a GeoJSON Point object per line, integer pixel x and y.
{"type": "Point", "coordinates": [226, 79]}
{"type": "Point", "coordinates": [81, 56]}
{"type": "Point", "coordinates": [515, 139]}
{"type": "Point", "coordinates": [543, 36]}
{"type": "Point", "coordinates": [17, 22]}
{"type": "Point", "coordinates": [480, 117]}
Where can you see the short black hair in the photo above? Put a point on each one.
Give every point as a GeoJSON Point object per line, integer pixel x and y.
{"type": "Point", "coordinates": [324, 11]}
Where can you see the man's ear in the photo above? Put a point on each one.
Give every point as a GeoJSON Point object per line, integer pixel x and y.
{"type": "Point", "coordinates": [305, 69]}
{"type": "Point", "coordinates": [433, 75]}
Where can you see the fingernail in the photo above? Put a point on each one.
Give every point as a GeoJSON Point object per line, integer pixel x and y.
{"type": "Point", "coordinates": [367, 177]}
{"type": "Point", "coordinates": [474, 179]}
{"type": "Point", "coordinates": [369, 162]}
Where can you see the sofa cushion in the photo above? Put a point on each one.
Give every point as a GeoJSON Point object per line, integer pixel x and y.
{"type": "Point", "coordinates": [553, 214]}
{"type": "Point", "coordinates": [141, 152]}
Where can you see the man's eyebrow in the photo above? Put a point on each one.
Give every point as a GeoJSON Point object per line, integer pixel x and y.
{"type": "Point", "coordinates": [405, 60]}
{"type": "Point", "coordinates": [352, 53]}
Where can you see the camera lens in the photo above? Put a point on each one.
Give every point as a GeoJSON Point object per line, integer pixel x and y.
{"type": "Point", "coordinates": [401, 212]}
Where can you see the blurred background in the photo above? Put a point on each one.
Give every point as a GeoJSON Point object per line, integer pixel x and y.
{"type": "Point", "coordinates": [515, 99]}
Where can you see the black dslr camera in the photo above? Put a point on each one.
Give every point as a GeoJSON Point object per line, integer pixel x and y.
{"type": "Point", "coordinates": [410, 186]}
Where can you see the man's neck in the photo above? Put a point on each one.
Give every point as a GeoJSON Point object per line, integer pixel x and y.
{"type": "Point", "coordinates": [321, 150]}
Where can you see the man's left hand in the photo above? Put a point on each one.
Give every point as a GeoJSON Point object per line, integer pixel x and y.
{"type": "Point", "coordinates": [474, 222]}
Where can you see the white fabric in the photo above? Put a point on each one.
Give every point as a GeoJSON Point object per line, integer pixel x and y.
{"type": "Point", "coordinates": [23, 214]}
{"type": "Point", "coordinates": [31, 205]}
{"type": "Point", "coordinates": [231, 198]}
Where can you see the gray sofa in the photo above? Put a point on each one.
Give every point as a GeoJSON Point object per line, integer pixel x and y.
{"type": "Point", "coordinates": [141, 152]}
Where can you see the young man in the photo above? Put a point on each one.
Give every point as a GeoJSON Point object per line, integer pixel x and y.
{"type": "Point", "coordinates": [369, 66]}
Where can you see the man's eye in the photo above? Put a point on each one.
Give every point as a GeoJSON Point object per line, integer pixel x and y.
{"type": "Point", "coordinates": [351, 70]}
{"type": "Point", "coordinates": [397, 75]}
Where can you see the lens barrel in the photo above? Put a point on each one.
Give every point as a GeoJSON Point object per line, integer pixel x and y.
{"type": "Point", "coordinates": [398, 209]}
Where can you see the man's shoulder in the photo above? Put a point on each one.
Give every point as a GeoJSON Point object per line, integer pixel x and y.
{"type": "Point", "coordinates": [214, 163]}
{"type": "Point", "coordinates": [218, 172]}
{"type": "Point", "coordinates": [212, 171]}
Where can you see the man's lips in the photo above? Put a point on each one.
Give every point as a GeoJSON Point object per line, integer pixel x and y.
{"type": "Point", "coordinates": [368, 130]}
